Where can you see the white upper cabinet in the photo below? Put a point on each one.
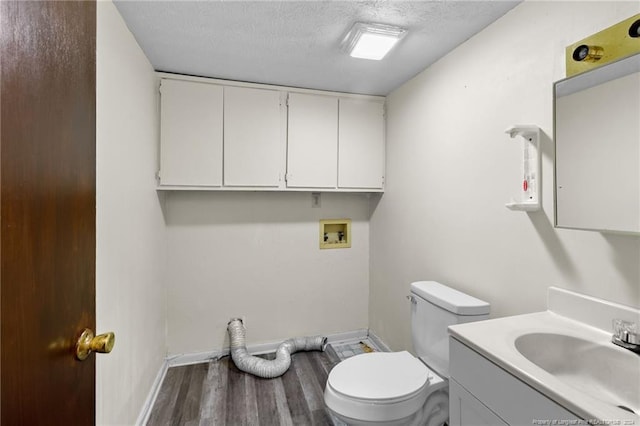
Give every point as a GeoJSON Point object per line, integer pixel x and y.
{"type": "Point", "coordinates": [312, 141]}
{"type": "Point", "coordinates": [218, 135]}
{"type": "Point", "coordinates": [254, 142]}
{"type": "Point", "coordinates": [361, 146]}
{"type": "Point", "coordinates": [191, 134]}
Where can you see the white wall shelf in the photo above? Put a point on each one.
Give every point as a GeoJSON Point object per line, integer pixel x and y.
{"type": "Point", "coordinates": [529, 197]}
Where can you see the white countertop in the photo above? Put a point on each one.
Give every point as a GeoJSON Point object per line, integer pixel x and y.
{"type": "Point", "coordinates": [494, 339]}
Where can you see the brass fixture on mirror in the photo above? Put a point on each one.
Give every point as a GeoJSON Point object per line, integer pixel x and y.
{"type": "Point", "coordinates": [587, 53]}
{"type": "Point", "coordinates": [609, 45]}
{"type": "Point", "coordinates": [634, 29]}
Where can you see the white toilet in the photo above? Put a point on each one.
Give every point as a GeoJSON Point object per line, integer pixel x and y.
{"type": "Point", "coordinates": [396, 388]}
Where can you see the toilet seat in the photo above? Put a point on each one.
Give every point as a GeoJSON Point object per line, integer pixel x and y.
{"type": "Point", "coordinates": [379, 386]}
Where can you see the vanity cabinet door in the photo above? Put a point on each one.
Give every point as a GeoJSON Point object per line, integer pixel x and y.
{"type": "Point", "coordinates": [465, 409]}
{"type": "Point", "coordinates": [361, 144]}
{"type": "Point", "coordinates": [312, 145]}
{"type": "Point", "coordinates": [254, 140]}
{"type": "Point", "coordinates": [190, 134]}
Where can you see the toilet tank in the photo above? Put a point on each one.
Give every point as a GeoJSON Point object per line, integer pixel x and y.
{"type": "Point", "coordinates": [434, 307]}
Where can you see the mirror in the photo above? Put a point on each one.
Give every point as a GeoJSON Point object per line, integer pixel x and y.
{"type": "Point", "coordinates": [597, 143]}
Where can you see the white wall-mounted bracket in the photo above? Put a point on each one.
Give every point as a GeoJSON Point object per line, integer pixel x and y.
{"type": "Point", "coordinates": [529, 198]}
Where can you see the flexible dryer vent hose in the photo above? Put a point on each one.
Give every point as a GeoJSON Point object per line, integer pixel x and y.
{"type": "Point", "coordinates": [265, 368]}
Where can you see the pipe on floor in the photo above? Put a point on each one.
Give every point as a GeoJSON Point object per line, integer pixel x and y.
{"type": "Point", "coordinates": [265, 368]}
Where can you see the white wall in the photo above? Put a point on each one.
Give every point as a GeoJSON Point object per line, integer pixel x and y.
{"type": "Point", "coordinates": [256, 255]}
{"type": "Point", "coordinates": [131, 243]}
{"type": "Point", "coordinates": [451, 168]}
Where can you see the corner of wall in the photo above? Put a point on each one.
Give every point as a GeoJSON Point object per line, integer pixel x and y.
{"type": "Point", "coordinates": [130, 229]}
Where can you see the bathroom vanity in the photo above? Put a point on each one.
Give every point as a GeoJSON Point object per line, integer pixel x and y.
{"type": "Point", "coordinates": [552, 367]}
{"type": "Point", "coordinates": [482, 393]}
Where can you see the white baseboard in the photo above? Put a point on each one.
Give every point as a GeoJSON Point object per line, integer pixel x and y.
{"type": "Point", "coordinates": [262, 348]}
{"type": "Point", "coordinates": [195, 358]}
{"type": "Point", "coordinates": [348, 336]}
{"type": "Point", "coordinates": [378, 342]}
{"type": "Point", "coordinates": [143, 417]}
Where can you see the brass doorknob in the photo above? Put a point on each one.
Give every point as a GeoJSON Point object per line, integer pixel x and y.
{"type": "Point", "coordinates": [88, 342]}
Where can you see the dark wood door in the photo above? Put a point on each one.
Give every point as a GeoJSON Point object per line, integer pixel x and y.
{"type": "Point", "coordinates": [47, 210]}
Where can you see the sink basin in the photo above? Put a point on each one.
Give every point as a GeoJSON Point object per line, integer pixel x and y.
{"type": "Point", "coordinates": [607, 373]}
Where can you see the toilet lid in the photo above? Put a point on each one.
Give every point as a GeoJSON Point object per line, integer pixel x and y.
{"type": "Point", "coordinates": [379, 376]}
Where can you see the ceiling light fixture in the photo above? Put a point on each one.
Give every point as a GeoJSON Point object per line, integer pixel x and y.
{"type": "Point", "coordinates": [371, 41]}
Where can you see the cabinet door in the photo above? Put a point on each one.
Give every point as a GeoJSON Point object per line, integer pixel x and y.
{"type": "Point", "coordinates": [312, 144]}
{"type": "Point", "coordinates": [361, 144]}
{"type": "Point", "coordinates": [254, 142]}
{"type": "Point", "coordinates": [190, 134]}
{"type": "Point", "coordinates": [466, 410]}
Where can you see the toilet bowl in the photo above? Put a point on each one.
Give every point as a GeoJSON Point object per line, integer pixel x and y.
{"type": "Point", "coordinates": [397, 388]}
{"type": "Point", "coordinates": [389, 388]}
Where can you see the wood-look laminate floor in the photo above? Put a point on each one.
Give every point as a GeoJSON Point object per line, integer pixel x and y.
{"type": "Point", "coordinates": [217, 393]}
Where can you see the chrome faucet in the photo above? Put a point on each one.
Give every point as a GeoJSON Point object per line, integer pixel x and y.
{"type": "Point", "coordinates": [626, 334]}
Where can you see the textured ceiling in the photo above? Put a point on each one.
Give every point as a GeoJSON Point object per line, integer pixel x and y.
{"type": "Point", "coordinates": [297, 43]}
